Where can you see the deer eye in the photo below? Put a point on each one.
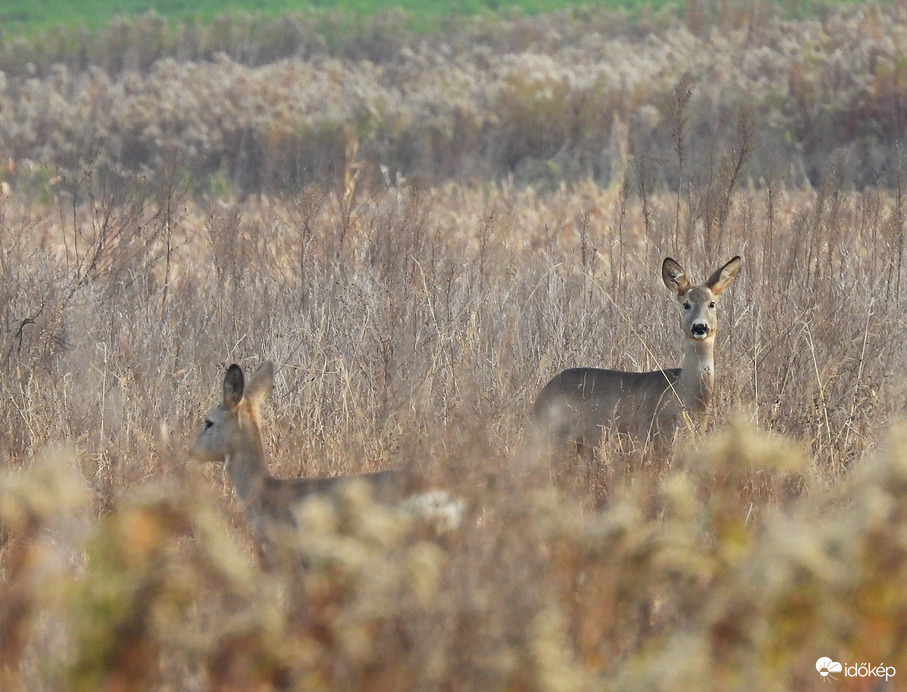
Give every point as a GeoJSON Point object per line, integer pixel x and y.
{"type": "Point", "coordinates": [208, 424]}
{"type": "Point", "coordinates": [686, 306]}
{"type": "Point", "coordinates": [712, 305]}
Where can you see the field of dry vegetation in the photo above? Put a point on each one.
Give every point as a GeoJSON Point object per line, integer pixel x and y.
{"type": "Point", "coordinates": [420, 232]}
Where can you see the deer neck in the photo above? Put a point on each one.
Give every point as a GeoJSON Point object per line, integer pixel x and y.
{"type": "Point", "coordinates": [246, 467]}
{"type": "Point", "coordinates": [697, 374]}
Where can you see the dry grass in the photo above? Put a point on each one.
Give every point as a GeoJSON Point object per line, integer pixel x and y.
{"type": "Point", "coordinates": [271, 105]}
{"type": "Point", "coordinates": [413, 325]}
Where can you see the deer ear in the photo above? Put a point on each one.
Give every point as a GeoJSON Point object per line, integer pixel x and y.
{"type": "Point", "coordinates": [674, 276]}
{"type": "Point", "coordinates": [260, 382]}
{"type": "Point", "coordinates": [233, 386]}
{"type": "Point", "coordinates": [722, 278]}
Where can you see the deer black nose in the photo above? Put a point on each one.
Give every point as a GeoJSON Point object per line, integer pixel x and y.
{"type": "Point", "coordinates": [700, 329]}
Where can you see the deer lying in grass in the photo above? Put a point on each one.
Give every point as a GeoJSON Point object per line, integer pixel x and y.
{"type": "Point", "coordinates": [232, 436]}
{"type": "Point", "coordinates": [580, 405]}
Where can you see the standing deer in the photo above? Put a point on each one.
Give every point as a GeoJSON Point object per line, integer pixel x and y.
{"type": "Point", "coordinates": [232, 436]}
{"type": "Point", "coordinates": [580, 405]}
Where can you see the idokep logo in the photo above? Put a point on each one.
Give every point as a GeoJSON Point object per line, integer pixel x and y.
{"type": "Point", "coordinates": [826, 667]}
